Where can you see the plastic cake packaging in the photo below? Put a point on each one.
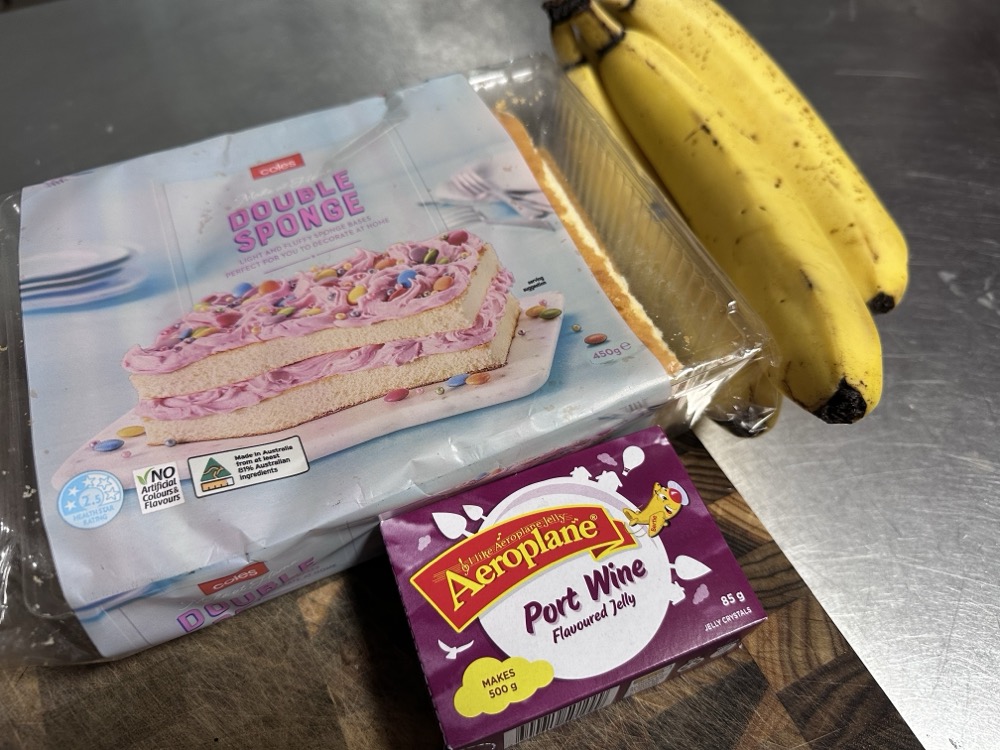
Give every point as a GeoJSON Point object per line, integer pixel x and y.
{"type": "Point", "coordinates": [222, 362]}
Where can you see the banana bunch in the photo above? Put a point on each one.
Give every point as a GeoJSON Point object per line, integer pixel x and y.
{"type": "Point", "coordinates": [762, 183]}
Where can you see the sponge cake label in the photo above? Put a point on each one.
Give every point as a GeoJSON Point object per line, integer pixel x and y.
{"type": "Point", "coordinates": [158, 487]}
{"type": "Point", "coordinates": [222, 471]}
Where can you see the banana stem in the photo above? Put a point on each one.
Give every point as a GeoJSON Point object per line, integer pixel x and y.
{"type": "Point", "coordinates": [567, 50]}
{"type": "Point", "coordinates": [598, 29]}
{"type": "Point", "coordinates": [577, 65]}
{"type": "Point", "coordinates": [563, 10]}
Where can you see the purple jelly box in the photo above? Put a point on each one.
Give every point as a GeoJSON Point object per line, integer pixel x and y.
{"type": "Point", "coordinates": [564, 588]}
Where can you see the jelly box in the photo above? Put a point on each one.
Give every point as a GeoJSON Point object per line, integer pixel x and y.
{"type": "Point", "coordinates": [564, 588]}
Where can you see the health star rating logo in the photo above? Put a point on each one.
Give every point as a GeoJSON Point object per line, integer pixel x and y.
{"type": "Point", "coordinates": [91, 499]}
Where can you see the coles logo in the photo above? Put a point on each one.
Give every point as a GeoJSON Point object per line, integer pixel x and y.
{"type": "Point", "coordinates": [243, 574]}
{"type": "Point", "coordinates": [277, 166]}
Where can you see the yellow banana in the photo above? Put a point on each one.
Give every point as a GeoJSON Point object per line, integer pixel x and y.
{"type": "Point", "coordinates": [735, 69]}
{"type": "Point", "coordinates": [574, 63]}
{"type": "Point", "coordinates": [735, 198]}
{"type": "Point", "coordinates": [747, 404]}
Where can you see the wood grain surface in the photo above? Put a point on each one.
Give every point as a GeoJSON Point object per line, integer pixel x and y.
{"type": "Point", "coordinates": [332, 665]}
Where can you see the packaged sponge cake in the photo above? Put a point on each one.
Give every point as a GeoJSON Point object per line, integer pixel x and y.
{"type": "Point", "coordinates": [239, 353]}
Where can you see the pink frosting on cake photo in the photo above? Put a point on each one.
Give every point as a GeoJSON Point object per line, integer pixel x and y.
{"type": "Point", "coordinates": [271, 355]}
{"type": "Point", "coordinates": [367, 288]}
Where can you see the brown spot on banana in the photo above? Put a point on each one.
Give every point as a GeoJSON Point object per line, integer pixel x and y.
{"type": "Point", "coordinates": [872, 250]}
{"type": "Point", "coordinates": [708, 131]}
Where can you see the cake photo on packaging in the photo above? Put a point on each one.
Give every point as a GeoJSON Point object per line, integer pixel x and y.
{"type": "Point", "coordinates": [269, 356]}
{"type": "Point", "coordinates": [564, 588]}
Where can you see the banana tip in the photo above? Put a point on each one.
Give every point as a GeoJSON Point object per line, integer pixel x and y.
{"type": "Point", "coordinates": [845, 406]}
{"type": "Point", "coordinates": [881, 303]}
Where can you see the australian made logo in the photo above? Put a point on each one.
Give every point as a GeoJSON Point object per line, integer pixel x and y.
{"type": "Point", "coordinates": [215, 477]}
{"type": "Point", "coordinates": [158, 487]}
{"type": "Point", "coordinates": [241, 467]}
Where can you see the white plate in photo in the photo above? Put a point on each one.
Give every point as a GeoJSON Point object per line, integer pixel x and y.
{"type": "Point", "coordinates": [82, 259]}
{"type": "Point", "coordinates": [98, 288]}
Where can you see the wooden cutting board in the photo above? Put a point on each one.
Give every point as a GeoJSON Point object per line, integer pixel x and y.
{"type": "Point", "coordinates": [332, 666]}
